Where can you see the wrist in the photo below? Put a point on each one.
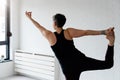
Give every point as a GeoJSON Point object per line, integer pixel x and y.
{"type": "Point", "coordinates": [111, 43]}
{"type": "Point", "coordinates": [31, 19]}
{"type": "Point", "coordinates": [103, 32]}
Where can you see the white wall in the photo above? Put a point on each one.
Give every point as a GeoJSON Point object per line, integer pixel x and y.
{"type": "Point", "coordinates": [81, 14]}
{"type": "Point", "coordinates": [15, 24]}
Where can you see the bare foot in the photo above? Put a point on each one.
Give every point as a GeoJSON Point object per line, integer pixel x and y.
{"type": "Point", "coordinates": [111, 36]}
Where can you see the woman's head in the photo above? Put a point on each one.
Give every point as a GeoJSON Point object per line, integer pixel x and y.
{"type": "Point", "coordinates": [59, 20]}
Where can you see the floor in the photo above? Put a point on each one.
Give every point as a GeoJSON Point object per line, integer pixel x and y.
{"type": "Point", "coordinates": [17, 78]}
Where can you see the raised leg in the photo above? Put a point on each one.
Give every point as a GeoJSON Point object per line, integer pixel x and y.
{"type": "Point", "coordinates": [93, 64]}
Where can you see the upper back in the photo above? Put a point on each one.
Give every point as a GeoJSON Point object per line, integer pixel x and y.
{"type": "Point", "coordinates": [52, 37]}
{"type": "Point", "coordinates": [63, 39]}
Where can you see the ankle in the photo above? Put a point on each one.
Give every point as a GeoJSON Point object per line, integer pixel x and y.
{"type": "Point", "coordinates": [111, 44]}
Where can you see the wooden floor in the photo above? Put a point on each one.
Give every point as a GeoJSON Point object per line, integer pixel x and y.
{"type": "Point", "coordinates": [17, 78]}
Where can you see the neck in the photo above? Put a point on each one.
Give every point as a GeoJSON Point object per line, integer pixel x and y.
{"type": "Point", "coordinates": [58, 30]}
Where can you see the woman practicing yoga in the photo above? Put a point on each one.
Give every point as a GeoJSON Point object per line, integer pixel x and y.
{"type": "Point", "coordinates": [72, 61]}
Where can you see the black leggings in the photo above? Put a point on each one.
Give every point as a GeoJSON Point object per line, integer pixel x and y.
{"type": "Point", "coordinates": [87, 64]}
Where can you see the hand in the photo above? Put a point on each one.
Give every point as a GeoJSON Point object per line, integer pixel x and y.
{"type": "Point", "coordinates": [107, 32]}
{"type": "Point", "coordinates": [28, 14]}
{"type": "Point", "coordinates": [110, 36]}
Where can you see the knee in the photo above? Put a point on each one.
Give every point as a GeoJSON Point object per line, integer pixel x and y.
{"type": "Point", "coordinates": [110, 65]}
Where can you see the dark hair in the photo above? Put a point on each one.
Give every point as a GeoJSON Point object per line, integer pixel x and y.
{"type": "Point", "coordinates": [60, 20]}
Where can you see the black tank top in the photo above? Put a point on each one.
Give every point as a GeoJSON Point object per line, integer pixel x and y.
{"type": "Point", "coordinates": [64, 49]}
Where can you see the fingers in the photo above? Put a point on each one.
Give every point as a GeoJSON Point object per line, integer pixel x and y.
{"type": "Point", "coordinates": [110, 36]}
{"type": "Point", "coordinates": [28, 14]}
{"type": "Point", "coordinates": [111, 32]}
{"type": "Point", "coordinates": [111, 29]}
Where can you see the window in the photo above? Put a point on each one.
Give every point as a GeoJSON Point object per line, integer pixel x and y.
{"type": "Point", "coordinates": [4, 28]}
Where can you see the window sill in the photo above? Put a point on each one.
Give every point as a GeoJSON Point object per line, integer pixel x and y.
{"type": "Point", "coordinates": [5, 61]}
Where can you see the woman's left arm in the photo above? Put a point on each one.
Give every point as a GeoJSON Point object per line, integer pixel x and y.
{"type": "Point", "coordinates": [74, 33]}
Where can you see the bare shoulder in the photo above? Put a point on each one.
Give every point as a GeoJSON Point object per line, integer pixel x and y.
{"type": "Point", "coordinates": [74, 33]}
{"type": "Point", "coordinates": [67, 34]}
{"type": "Point", "coordinates": [71, 31]}
{"type": "Point", "coordinates": [50, 36]}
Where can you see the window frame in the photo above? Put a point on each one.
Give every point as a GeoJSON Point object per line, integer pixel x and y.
{"type": "Point", "coordinates": [7, 30]}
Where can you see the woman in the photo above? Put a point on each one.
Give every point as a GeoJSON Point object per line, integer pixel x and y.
{"type": "Point", "coordinates": [72, 61]}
